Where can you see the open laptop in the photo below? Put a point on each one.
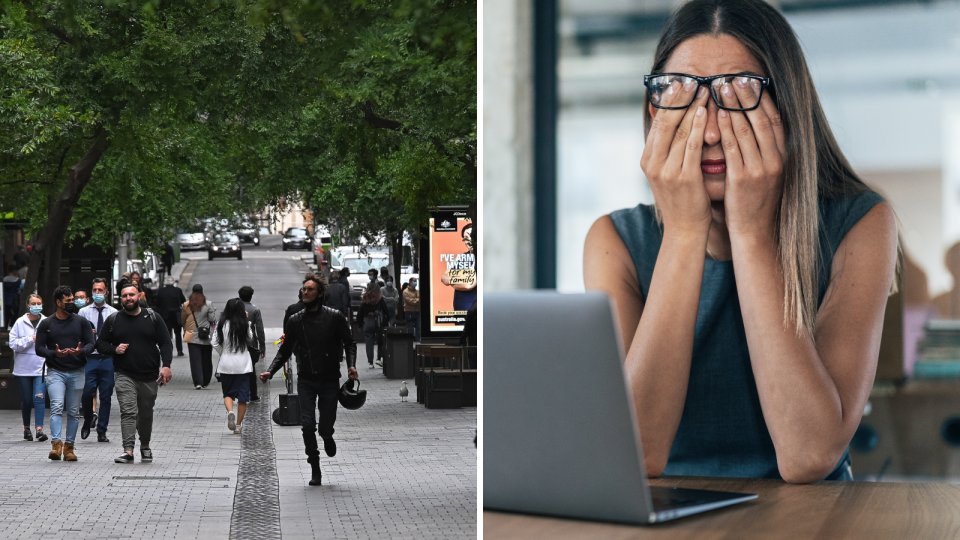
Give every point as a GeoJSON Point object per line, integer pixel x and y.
{"type": "Point", "coordinates": [560, 436]}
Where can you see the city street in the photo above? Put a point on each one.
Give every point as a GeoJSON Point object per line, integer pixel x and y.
{"type": "Point", "coordinates": [401, 471]}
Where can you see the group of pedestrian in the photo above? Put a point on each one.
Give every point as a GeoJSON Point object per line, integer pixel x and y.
{"type": "Point", "coordinates": [88, 347]}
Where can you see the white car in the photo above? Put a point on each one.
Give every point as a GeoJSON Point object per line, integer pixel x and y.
{"type": "Point", "coordinates": [359, 264]}
{"type": "Point", "coordinates": [190, 241]}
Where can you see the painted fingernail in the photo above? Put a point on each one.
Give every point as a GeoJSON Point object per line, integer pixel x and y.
{"type": "Point", "coordinates": [701, 92]}
{"type": "Point", "coordinates": [700, 110]}
{"type": "Point", "coordinates": [688, 86]}
{"type": "Point", "coordinates": [723, 113]}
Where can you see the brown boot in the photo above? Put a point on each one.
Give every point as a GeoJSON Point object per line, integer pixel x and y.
{"type": "Point", "coordinates": [57, 450]}
{"type": "Point", "coordinates": [68, 454]}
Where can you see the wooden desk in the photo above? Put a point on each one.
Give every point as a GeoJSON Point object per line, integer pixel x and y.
{"type": "Point", "coordinates": [867, 510]}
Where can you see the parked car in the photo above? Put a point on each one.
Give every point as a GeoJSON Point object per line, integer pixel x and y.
{"type": "Point", "coordinates": [191, 240]}
{"type": "Point", "coordinates": [149, 269]}
{"type": "Point", "coordinates": [323, 246]}
{"type": "Point", "coordinates": [225, 245]}
{"type": "Point", "coordinates": [359, 264]}
{"type": "Point", "coordinates": [342, 253]}
{"type": "Point", "coordinates": [297, 238]}
{"type": "Point", "coordinates": [246, 232]}
{"type": "Point", "coordinates": [133, 265]}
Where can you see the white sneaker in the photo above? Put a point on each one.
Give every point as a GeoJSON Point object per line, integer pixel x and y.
{"type": "Point", "coordinates": [239, 429]}
{"type": "Point", "coordinates": [231, 421]}
{"type": "Point", "coordinates": [198, 387]}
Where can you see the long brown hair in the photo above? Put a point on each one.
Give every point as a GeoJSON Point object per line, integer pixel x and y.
{"type": "Point", "coordinates": [197, 301]}
{"type": "Point", "coordinates": [813, 166]}
{"type": "Point", "coordinates": [372, 295]}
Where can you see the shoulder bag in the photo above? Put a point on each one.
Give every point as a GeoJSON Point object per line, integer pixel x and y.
{"type": "Point", "coordinates": [203, 332]}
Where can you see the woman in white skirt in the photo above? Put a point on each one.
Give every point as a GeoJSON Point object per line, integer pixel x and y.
{"type": "Point", "coordinates": [232, 338]}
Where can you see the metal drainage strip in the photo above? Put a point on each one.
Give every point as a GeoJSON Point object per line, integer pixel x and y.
{"type": "Point", "coordinates": [256, 504]}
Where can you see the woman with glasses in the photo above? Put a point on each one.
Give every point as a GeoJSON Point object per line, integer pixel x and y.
{"type": "Point", "coordinates": [751, 295]}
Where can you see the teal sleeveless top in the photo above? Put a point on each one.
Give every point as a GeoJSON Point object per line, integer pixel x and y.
{"type": "Point", "coordinates": [722, 431]}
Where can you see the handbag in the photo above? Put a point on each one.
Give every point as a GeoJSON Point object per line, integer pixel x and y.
{"type": "Point", "coordinates": [203, 332]}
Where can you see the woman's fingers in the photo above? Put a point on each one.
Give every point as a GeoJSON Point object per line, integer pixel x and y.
{"type": "Point", "coordinates": [694, 148]}
{"type": "Point", "coordinates": [759, 121]}
{"type": "Point", "coordinates": [776, 123]}
{"type": "Point", "coordinates": [684, 133]}
{"type": "Point", "coordinates": [742, 130]}
{"type": "Point", "coordinates": [728, 141]}
{"type": "Point", "coordinates": [667, 120]}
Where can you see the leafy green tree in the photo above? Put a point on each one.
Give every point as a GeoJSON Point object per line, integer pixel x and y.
{"type": "Point", "coordinates": [122, 120]}
{"type": "Point", "coordinates": [131, 115]}
{"type": "Point", "coordinates": [390, 127]}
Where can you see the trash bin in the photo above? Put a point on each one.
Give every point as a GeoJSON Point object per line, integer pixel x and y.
{"type": "Point", "coordinates": [399, 361]}
{"type": "Point", "coordinates": [9, 391]}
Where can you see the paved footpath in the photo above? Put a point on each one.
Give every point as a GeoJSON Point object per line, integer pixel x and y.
{"type": "Point", "coordinates": [401, 471]}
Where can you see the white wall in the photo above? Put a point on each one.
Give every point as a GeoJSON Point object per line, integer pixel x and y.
{"type": "Point", "coordinates": [507, 222]}
{"type": "Point", "coordinates": [598, 172]}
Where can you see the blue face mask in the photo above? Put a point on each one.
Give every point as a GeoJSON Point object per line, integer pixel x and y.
{"type": "Point", "coordinates": [80, 302]}
{"type": "Point", "coordinates": [413, 285]}
{"type": "Point", "coordinates": [98, 298]}
{"type": "Point", "coordinates": [372, 277]}
{"type": "Point", "coordinates": [35, 310]}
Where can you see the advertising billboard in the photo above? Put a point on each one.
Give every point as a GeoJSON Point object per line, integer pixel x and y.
{"type": "Point", "coordinates": [452, 270]}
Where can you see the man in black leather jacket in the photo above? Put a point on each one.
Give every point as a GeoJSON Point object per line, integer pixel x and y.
{"type": "Point", "coordinates": [318, 334]}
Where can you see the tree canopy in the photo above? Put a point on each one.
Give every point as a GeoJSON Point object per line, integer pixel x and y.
{"type": "Point", "coordinates": [126, 116]}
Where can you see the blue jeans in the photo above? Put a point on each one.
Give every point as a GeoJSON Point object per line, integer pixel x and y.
{"type": "Point", "coordinates": [99, 375]}
{"type": "Point", "coordinates": [32, 393]}
{"type": "Point", "coordinates": [65, 388]}
{"type": "Point", "coordinates": [413, 321]}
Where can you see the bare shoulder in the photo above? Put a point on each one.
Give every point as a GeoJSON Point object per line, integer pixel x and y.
{"type": "Point", "coordinates": [863, 268]}
{"type": "Point", "coordinates": [605, 257]}
{"type": "Point", "coordinates": [874, 236]}
{"type": "Point", "coordinates": [609, 268]}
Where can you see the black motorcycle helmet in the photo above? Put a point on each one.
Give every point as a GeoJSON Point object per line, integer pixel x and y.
{"type": "Point", "coordinates": [352, 398]}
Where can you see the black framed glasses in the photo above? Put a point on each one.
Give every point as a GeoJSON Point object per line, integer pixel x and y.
{"type": "Point", "coordinates": [730, 92]}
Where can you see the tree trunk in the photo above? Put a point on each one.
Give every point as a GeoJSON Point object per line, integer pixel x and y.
{"type": "Point", "coordinates": [48, 243]}
{"type": "Point", "coordinates": [396, 246]}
